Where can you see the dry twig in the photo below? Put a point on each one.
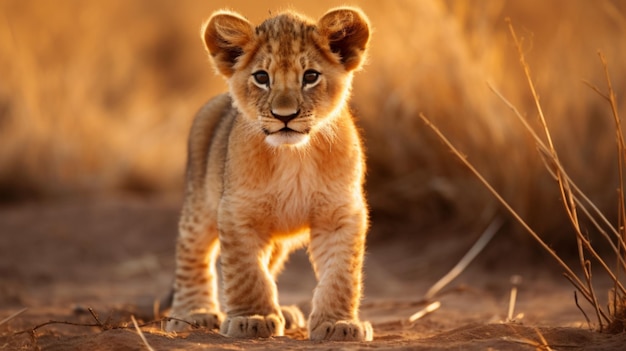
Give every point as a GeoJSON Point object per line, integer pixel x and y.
{"type": "Point", "coordinates": [542, 344]}
{"type": "Point", "coordinates": [143, 338]}
{"type": "Point", "coordinates": [516, 280]}
{"type": "Point", "coordinates": [480, 244]}
{"type": "Point", "coordinates": [424, 311]}
{"type": "Point", "coordinates": [103, 326]}
{"type": "Point", "coordinates": [13, 315]}
{"type": "Point", "coordinates": [581, 309]}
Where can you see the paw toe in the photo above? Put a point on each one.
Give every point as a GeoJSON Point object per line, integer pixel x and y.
{"type": "Point", "coordinates": [293, 317]}
{"type": "Point", "coordinates": [342, 331]}
{"type": "Point", "coordinates": [194, 319]}
{"type": "Point", "coordinates": [253, 326]}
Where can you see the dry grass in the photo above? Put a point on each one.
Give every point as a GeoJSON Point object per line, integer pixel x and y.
{"type": "Point", "coordinates": [446, 80]}
{"type": "Point", "coordinates": [84, 82]}
{"type": "Point", "coordinates": [573, 201]}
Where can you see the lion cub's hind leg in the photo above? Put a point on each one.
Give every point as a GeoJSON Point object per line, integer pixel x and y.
{"type": "Point", "coordinates": [195, 287]}
{"type": "Point", "coordinates": [294, 318]}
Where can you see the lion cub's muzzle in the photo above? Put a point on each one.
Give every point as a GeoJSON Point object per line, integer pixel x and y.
{"type": "Point", "coordinates": [285, 108]}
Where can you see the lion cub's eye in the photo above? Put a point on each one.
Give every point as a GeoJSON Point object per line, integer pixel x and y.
{"type": "Point", "coordinates": [310, 77]}
{"type": "Point", "coordinates": [261, 78]}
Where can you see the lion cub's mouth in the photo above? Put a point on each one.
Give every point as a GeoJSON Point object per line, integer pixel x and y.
{"type": "Point", "coordinates": [288, 130]}
{"type": "Point", "coordinates": [285, 130]}
{"type": "Point", "coordinates": [286, 136]}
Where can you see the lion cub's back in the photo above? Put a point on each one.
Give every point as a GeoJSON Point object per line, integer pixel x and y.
{"type": "Point", "coordinates": [208, 140]}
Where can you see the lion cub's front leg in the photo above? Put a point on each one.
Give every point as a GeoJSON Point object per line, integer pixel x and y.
{"type": "Point", "coordinates": [250, 294]}
{"type": "Point", "coordinates": [336, 249]}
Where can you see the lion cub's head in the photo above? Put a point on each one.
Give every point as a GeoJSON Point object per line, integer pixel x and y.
{"type": "Point", "coordinates": [289, 75]}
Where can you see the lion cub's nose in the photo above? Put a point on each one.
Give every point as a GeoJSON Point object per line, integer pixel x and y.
{"type": "Point", "coordinates": [284, 116]}
{"type": "Point", "coordinates": [285, 108]}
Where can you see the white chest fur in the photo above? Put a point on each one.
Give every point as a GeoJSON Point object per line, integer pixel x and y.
{"type": "Point", "coordinates": [292, 188]}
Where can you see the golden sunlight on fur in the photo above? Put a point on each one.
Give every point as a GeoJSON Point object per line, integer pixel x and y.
{"type": "Point", "coordinates": [274, 164]}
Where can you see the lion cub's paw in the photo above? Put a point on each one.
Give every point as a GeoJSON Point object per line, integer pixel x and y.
{"type": "Point", "coordinates": [294, 318]}
{"type": "Point", "coordinates": [200, 318]}
{"type": "Point", "coordinates": [342, 331]}
{"type": "Point", "coordinates": [253, 326]}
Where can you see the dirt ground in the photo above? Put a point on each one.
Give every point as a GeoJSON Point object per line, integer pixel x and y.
{"type": "Point", "coordinates": [116, 256]}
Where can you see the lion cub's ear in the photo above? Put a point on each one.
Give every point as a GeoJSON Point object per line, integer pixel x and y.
{"type": "Point", "coordinates": [225, 35]}
{"type": "Point", "coordinates": [347, 32]}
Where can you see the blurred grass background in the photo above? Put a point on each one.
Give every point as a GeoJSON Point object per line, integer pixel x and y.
{"type": "Point", "coordinates": [97, 97]}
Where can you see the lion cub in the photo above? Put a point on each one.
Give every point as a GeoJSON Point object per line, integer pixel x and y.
{"type": "Point", "coordinates": [272, 165]}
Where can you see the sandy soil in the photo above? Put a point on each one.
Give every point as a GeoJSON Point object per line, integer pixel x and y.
{"type": "Point", "coordinates": [116, 256]}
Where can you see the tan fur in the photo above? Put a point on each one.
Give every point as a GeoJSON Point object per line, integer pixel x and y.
{"type": "Point", "coordinates": [257, 190]}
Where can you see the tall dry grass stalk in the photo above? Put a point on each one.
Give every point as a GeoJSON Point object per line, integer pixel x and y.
{"type": "Point", "coordinates": [572, 199]}
{"type": "Point", "coordinates": [617, 297]}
